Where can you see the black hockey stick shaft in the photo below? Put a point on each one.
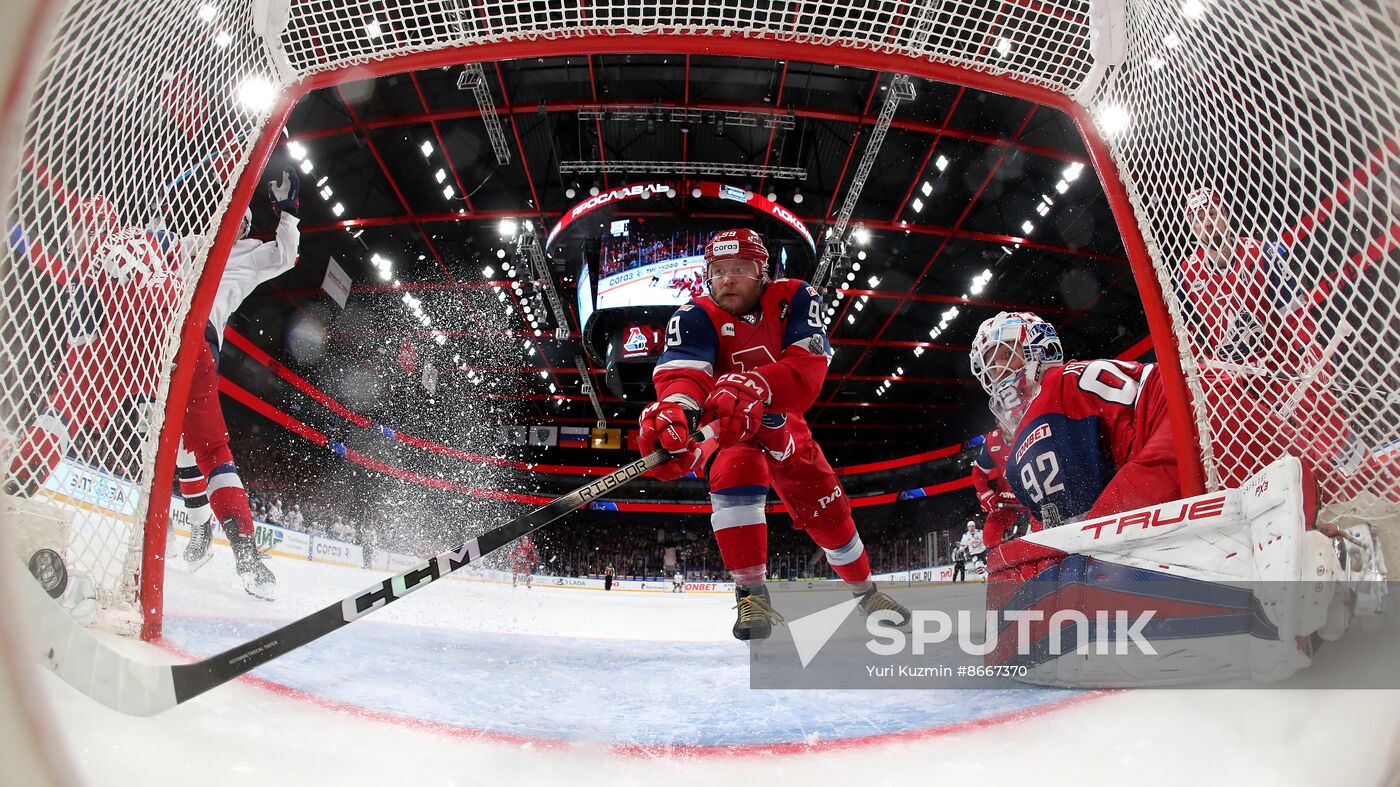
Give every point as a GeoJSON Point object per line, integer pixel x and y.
{"type": "Point", "coordinates": [191, 680]}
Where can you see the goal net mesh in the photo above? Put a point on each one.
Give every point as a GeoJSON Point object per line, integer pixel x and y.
{"type": "Point", "coordinates": [1281, 288]}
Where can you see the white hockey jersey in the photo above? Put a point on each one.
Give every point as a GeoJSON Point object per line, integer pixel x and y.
{"type": "Point", "coordinates": [250, 263]}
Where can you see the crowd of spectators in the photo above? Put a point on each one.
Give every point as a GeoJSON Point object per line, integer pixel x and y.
{"type": "Point", "coordinates": [621, 254]}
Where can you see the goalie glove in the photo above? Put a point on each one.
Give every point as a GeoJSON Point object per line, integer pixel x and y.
{"type": "Point", "coordinates": [286, 194]}
{"type": "Point", "coordinates": [736, 407]}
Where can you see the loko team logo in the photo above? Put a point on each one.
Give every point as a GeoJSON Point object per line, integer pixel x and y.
{"type": "Point", "coordinates": [637, 342]}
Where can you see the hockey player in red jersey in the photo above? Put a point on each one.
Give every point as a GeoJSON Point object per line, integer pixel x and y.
{"type": "Point", "coordinates": [751, 357]}
{"type": "Point", "coordinates": [1089, 437]}
{"type": "Point", "coordinates": [523, 558]}
{"type": "Point", "coordinates": [998, 502]}
{"type": "Point", "coordinates": [1264, 374]}
{"type": "Point", "coordinates": [120, 286]}
{"type": "Point", "coordinates": [204, 448]}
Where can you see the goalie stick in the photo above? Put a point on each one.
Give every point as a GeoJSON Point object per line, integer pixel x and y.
{"type": "Point", "coordinates": [141, 689]}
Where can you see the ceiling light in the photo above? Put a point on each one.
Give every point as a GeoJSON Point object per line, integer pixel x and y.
{"type": "Point", "coordinates": [593, 191]}
{"type": "Point", "coordinates": [500, 255]}
{"type": "Point", "coordinates": [440, 175]}
{"type": "Point", "coordinates": [671, 192]}
{"type": "Point", "coordinates": [1071, 172]}
{"type": "Point", "coordinates": [851, 318]}
{"type": "Point", "coordinates": [1156, 62]}
{"type": "Point", "coordinates": [1004, 46]}
{"type": "Point", "coordinates": [337, 209]}
{"type": "Point", "coordinates": [488, 271]}
{"type": "Point", "coordinates": [918, 205]}
{"type": "Point", "coordinates": [1171, 41]}
{"type": "Point", "coordinates": [926, 188]}
{"type": "Point", "coordinates": [326, 193]}
{"type": "Point", "coordinates": [569, 192]}
{"type": "Point", "coordinates": [874, 281]}
{"type": "Point", "coordinates": [447, 191]}
{"type": "Point", "coordinates": [306, 166]}
{"type": "Point", "coordinates": [918, 351]}
{"type": "Point", "coordinates": [1028, 227]}
{"type": "Point", "coordinates": [695, 192]}
{"type": "Point", "coordinates": [797, 197]}
{"type": "Point", "coordinates": [855, 266]}
{"type": "Point", "coordinates": [322, 181]}
{"type": "Point", "coordinates": [256, 94]}
{"type": "Point", "coordinates": [862, 235]}
{"type": "Point", "coordinates": [860, 306]}
{"type": "Point", "coordinates": [772, 196]}
{"type": "Point", "coordinates": [508, 228]}
{"type": "Point", "coordinates": [941, 163]}
{"type": "Point", "coordinates": [207, 12]}
{"type": "Point", "coordinates": [427, 148]}
{"type": "Point", "coordinates": [372, 29]}
{"type": "Point", "coordinates": [1113, 119]}
{"type": "Point", "coordinates": [222, 39]}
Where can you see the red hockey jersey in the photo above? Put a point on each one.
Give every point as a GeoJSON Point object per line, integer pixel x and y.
{"type": "Point", "coordinates": [783, 341]}
{"type": "Point", "coordinates": [1253, 308]}
{"type": "Point", "coordinates": [1094, 440]}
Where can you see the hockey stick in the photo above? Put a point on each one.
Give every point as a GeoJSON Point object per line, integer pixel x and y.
{"type": "Point", "coordinates": [141, 689]}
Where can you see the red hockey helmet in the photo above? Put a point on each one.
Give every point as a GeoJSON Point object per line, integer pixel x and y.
{"type": "Point", "coordinates": [742, 244]}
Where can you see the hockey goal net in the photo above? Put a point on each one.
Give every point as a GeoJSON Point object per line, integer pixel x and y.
{"type": "Point", "coordinates": [1288, 114]}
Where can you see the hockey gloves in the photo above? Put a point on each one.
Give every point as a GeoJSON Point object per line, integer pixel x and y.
{"type": "Point", "coordinates": [286, 193]}
{"type": "Point", "coordinates": [666, 426]}
{"type": "Point", "coordinates": [736, 407]}
{"type": "Point", "coordinates": [991, 501]}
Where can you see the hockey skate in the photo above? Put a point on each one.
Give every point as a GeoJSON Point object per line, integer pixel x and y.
{"type": "Point", "coordinates": [258, 579]}
{"type": "Point", "coordinates": [756, 614]}
{"type": "Point", "coordinates": [197, 551]}
{"type": "Point", "coordinates": [874, 600]}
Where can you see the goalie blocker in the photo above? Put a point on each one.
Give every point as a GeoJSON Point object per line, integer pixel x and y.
{"type": "Point", "coordinates": [1233, 584]}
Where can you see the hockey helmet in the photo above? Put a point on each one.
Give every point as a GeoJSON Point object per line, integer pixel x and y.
{"type": "Point", "coordinates": [739, 244]}
{"type": "Point", "coordinates": [246, 225]}
{"type": "Point", "coordinates": [1199, 199]}
{"type": "Point", "coordinates": [1009, 356]}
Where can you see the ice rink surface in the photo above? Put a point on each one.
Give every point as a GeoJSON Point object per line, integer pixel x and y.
{"type": "Point", "coordinates": [476, 683]}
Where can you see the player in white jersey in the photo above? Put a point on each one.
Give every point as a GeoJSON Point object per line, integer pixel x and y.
{"type": "Point", "coordinates": [204, 450]}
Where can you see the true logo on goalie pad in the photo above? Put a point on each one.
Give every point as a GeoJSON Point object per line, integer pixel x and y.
{"type": "Point", "coordinates": [1185, 511]}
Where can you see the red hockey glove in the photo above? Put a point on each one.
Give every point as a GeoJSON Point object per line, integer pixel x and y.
{"type": "Point", "coordinates": [665, 426]}
{"type": "Point", "coordinates": [736, 407]}
{"type": "Point", "coordinates": [685, 463]}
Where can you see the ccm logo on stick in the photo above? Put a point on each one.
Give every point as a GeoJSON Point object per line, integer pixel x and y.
{"type": "Point", "coordinates": [1168, 514]}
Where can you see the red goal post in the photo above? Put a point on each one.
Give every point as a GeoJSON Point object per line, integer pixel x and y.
{"type": "Point", "coordinates": [169, 110]}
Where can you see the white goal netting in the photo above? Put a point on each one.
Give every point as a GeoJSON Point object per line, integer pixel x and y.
{"type": "Point", "coordinates": [1279, 121]}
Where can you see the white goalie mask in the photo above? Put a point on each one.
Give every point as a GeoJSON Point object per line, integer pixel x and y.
{"type": "Point", "coordinates": [246, 225]}
{"type": "Point", "coordinates": [1009, 356]}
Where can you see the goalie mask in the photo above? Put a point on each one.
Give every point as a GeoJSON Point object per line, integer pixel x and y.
{"type": "Point", "coordinates": [1009, 356]}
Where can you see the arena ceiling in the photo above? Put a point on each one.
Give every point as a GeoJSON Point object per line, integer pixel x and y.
{"type": "Point", "coordinates": [977, 202]}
